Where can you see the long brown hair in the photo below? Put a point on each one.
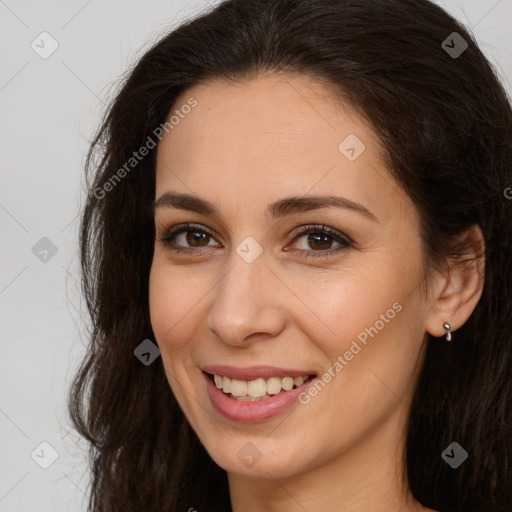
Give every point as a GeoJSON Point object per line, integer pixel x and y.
{"type": "Point", "coordinates": [446, 125]}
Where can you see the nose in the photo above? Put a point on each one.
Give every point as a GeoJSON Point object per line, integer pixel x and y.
{"type": "Point", "coordinates": [248, 303]}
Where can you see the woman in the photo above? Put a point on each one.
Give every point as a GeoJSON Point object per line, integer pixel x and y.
{"type": "Point", "coordinates": [301, 206]}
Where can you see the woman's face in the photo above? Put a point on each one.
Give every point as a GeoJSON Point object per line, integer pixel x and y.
{"type": "Point", "coordinates": [246, 295]}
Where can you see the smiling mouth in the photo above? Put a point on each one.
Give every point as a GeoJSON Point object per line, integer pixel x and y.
{"type": "Point", "coordinates": [258, 389]}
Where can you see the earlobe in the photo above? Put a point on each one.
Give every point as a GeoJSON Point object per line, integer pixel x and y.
{"type": "Point", "coordinates": [460, 287]}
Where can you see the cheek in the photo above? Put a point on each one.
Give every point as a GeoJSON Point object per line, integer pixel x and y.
{"type": "Point", "coordinates": [176, 298]}
{"type": "Point", "coordinates": [162, 302]}
{"type": "Point", "coordinates": [373, 358]}
{"type": "Point", "coordinates": [368, 328]}
{"type": "Point", "coordinates": [168, 306]}
{"type": "Point", "coordinates": [336, 311]}
{"type": "Point", "coordinates": [172, 319]}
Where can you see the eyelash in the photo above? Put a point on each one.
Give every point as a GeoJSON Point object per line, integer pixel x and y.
{"type": "Point", "coordinates": [170, 234]}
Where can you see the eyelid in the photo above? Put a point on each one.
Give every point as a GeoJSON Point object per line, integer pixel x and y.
{"type": "Point", "coordinates": [321, 228]}
{"type": "Point", "coordinates": [170, 232]}
{"type": "Point", "coordinates": [191, 226]}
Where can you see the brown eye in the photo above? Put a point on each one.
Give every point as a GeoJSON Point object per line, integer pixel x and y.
{"type": "Point", "coordinates": [186, 237]}
{"type": "Point", "coordinates": [318, 241]}
{"type": "Point", "coordinates": [196, 237]}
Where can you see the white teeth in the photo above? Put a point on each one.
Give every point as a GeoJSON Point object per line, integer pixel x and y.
{"type": "Point", "coordinates": [288, 383]}
{"type": "Point", "coordinates": [238, 387]}
{"type": "Point", "coordinates": [226, 384]}
{"type": "Point", "coordinates": [299, 381]}
{"type": "Point", "coordinates": [250, 398]}
{"type": "Point", "coordinates": [274, 385]}
{"type": "Point", "coordinates": [258, 389]}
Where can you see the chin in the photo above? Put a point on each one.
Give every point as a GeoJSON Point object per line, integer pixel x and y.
{"type": "Point", "coordinates": [258, 458]}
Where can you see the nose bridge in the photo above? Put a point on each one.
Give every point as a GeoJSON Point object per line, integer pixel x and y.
{"type": "Point", "coordinates": [244, 303]}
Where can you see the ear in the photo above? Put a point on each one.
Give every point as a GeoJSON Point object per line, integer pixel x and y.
{"type": "Point", "coordinates": [458, 287]}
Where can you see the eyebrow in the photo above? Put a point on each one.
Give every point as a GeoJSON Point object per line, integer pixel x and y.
{"type": "Point", "coordinates": [278, 209]}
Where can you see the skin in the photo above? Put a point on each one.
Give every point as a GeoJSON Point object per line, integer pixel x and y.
{"type": "Point", "coordinates": [242, 147]}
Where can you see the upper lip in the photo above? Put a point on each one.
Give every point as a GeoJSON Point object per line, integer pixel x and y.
{"type": "Point", "coordinates": [254, 372]}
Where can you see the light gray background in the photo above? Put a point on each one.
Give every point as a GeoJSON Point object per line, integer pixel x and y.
{"type": "Point", "coordinates": [49, 111]}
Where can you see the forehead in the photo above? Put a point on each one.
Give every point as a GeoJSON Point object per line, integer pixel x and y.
{"type": "Point", "coordinates": [268, 104]}
{"type": "Point", "coordinates": [270, 136]}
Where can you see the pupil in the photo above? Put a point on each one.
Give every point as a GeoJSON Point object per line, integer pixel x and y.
{"type": "Point", "coordinates": [195, 236]}
{"type": "Point", "coordinates": [314, 239]}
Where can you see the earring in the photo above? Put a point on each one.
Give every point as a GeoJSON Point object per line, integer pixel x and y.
{"type": "Point", "coordinates": [447, 328]}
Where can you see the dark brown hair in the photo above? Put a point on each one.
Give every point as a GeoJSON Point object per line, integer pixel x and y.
{"type": "Point", "coordinates": [445, 124]}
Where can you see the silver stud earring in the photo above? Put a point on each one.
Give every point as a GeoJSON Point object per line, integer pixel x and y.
{"type": "Point", "coordinates": [447, 327]}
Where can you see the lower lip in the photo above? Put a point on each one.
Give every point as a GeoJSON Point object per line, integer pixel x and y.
{"type": "Point", "coordinates": [250, 412]}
